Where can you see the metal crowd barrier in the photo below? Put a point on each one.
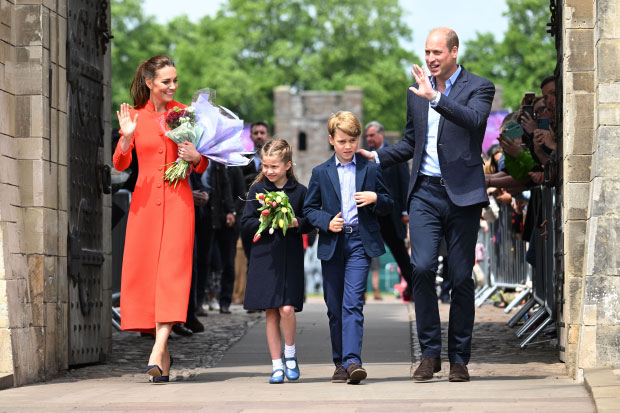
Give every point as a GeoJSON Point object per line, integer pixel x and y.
{"type": "Point", "coordinates": [507, 269]}
{"type": "Point", "coordinates": [544, 287]}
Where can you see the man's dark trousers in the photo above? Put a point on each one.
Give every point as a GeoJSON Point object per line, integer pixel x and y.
{"type": "Point", "coordinates": [344, 284]}
{"type": "Point", "coordinates": [396, 246]}
{"type": "Point", "coordinates": [226, 239]}
{"type": "Point", "coordinates": [435, 216]}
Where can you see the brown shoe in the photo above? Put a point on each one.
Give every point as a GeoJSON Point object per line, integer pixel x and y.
{"type": "Point", "coordinates": [458, 372]}
{"type": "Point", "coordinates": [426, 369]}
{"type": "Point", "coordinates": [356, 373]}
{"type": "Point", "coordinates": [340, 375]}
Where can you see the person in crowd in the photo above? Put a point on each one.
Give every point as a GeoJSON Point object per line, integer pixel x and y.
{"type": "Point", "coordinates": [201, 198]}
{"type": "Point", "coordinates": [375, 267]}
{"type": "Point", "coordinates": [157, 261]}
{"type": "Point", "coordinates": [393, 226]}
{"type": "Point", "coordinates": [224, 235]}
{"type": "Point", "coordinates": [446, 120]}
{"type": "Point", "coordinates": [230, 288]}
{"type": "Point", "coordinates": [276, 271]}
{"type": "Point", "coordinates": [345, 195]}
{"type": "Point", "coordinates": [259, 133]}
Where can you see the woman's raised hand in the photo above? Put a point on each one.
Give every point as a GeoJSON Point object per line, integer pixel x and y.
{"type": "Point", "coordinates": [127, 125]}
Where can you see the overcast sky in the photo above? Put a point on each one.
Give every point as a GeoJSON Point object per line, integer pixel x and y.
{"type": "Point", "coordinates": [465, 17]}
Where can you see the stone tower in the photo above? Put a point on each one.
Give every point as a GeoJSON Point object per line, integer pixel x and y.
{"type": "Point", "coordinates": [301, 119]}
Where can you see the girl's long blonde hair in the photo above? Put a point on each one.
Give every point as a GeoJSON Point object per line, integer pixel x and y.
{"type": "Point", "coordinates": [280, 148]}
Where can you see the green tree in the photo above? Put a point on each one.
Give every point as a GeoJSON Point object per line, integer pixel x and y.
{"type": "Point", "coordinates": [250, 47]}
{"type": "Point", "coordinates": [136, 38]}
{"type": "Point", "coordinates": [324, 45]}
{"type": "Point", "coordinates": [522, 59]}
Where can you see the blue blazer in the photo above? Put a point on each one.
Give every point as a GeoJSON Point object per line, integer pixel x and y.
{"type": "Point", "coordinates": [323, 202]}
{"type": "Point", "coordinates": [397, 179]}
{"type": "Point", "coordinates": [464, 115]}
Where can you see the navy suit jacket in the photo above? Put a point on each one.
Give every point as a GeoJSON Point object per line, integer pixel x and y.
{"type": "Point", "coordinates": [397, 179]}
{"type": "Point", "coordinates": [464, 115]}
{"type": "Point", "coordinates": [323, 202]}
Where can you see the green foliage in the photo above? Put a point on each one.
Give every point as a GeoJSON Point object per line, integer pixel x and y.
{"type": "Point", "coordinates": [136, 38]}
{"type": "Point", "coordinates": [250, 47]}
{"type": "Point", "coordinates": [525, 56]}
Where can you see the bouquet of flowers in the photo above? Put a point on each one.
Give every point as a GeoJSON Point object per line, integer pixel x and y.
{"type": "Point", "coordinates": [214, 131]}
{"type": "Point", "coordinates": [182, 124]}
{"type": "Point", "coordinates": [275, 211]}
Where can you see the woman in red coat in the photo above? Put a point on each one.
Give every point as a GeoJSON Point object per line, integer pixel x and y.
{"type": "Point", "coordinates": [157, 261]}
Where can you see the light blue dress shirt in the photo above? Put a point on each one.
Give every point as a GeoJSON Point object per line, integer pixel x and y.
{"type": "Point", "coordinates": [346, 176]}
{"type": "Point", "coordinates": [430, 158]}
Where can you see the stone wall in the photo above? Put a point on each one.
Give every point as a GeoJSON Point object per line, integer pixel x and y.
{"type": "Point", "coordinates": [591, 184]}
{"type": "Point", "coordinates": [33, 182]}
{"type": "Point", "coordinates": [307, 113]}
{"type": "Point", "coordinates": [33, 186]}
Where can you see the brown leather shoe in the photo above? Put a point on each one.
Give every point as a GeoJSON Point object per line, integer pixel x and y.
{"type": "Point", "coordinates": [458, 372]}
{"type": "Point", "coordinates": [426, 369]}
{"type": "Point", "coordinates": [356, 373]}
{"type": "Point", "coordinates": [340, 375]}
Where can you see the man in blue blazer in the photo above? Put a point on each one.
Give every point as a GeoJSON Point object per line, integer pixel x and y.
{"type": "Point", "coordinates": [446, 120]}
{"type": "Point", "coordinates": [344, 196]}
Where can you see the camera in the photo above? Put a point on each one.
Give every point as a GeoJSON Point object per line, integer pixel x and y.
{"type": "Point", "coordinates": [513, 130]}
{"type": "Point", "coordinates": [543, 123]}
{"type": "Point", "coordinates": [528, 98]}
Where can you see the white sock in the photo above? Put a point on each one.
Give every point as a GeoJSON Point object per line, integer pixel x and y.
{"type": "Point", "coordinates": [277, 365]}
{"type": "Point", "coordinates": [289, 351]}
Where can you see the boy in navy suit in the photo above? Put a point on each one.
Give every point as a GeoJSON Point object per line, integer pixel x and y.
{"type": "Point", "coordinates": [344, 196]}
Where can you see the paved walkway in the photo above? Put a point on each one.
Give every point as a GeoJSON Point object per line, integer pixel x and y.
{"type": "Point", "coordinates": [503, 377]}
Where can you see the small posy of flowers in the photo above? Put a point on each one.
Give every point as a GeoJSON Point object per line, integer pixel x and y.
{"type": "Point", "coordinates": [176, 116]}
{"type": "Point", "coordinates": [182, 125]}
{"type": "Point", "coordinates": [275, 212]}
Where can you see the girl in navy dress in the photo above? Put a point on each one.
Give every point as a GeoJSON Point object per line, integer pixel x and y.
{"type": "Point", "coordinates": [276, 268]}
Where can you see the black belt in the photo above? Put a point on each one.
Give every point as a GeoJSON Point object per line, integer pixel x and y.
{"type": "Point", "coordinates": [349, 229]}
{"type": "Point", "coordinates": [437, 180]}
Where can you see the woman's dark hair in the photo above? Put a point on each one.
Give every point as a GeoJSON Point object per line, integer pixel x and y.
{"type": "Point", "coordinates": [140, 92]}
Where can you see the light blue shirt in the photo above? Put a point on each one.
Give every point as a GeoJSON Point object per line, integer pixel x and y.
{"type": "Point", "coordinates": [430, 159]}
{"type": "Point", "coordinates": [346, 176]}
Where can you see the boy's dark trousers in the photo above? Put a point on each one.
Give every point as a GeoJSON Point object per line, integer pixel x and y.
{"type": "Point", "coordinates": [344, 284]}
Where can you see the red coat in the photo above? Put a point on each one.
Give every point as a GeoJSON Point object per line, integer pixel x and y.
{"type": "Point", "coordinates": [159, 243]}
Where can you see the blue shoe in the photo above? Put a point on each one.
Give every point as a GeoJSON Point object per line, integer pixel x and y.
{"type": "Point", "coordinates": [277, 379]}
{"type": "Point", "coordinates": [292, 374]}
{"type": "Point", "coordinates": [153, 370]}
{"type": "Point", "coordinates": [160, 379]}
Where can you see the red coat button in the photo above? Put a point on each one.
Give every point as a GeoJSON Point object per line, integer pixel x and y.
{"type": "Point", "coordinates": [158, 203]}
{"type": "Point", "coordinates": [161, 168]}
{"type": "Point", "coordinates": [161, 150]}
{"type": "Point", "coordinates": [159, 185]}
